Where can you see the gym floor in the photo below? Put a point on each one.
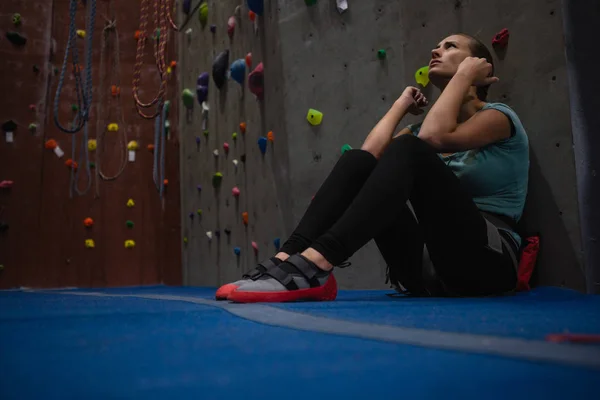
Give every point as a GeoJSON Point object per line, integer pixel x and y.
{"type": "Point", "coordinates": [177, 342]}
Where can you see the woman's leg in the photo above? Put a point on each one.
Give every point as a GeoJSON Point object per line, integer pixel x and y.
{"type": "Point", "coordinates": [453, 228]}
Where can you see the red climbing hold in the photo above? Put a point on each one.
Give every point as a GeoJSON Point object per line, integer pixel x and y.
{"type": "Point", "coordinates": [231, 27]}
{"type": "Point", "coordinates": [256, 81]}
{"type": "Point", "coordinates": [32, 107]}
{"type": "Point", "coordinates": [71, 164]}
{"type": "Point", "coordinates": [249, 60]}
{"type": "Point", "coordinates": [235, 192]}
{"type": "Point", "coordinates": [6, 184]}
{"type": "Point", "coordinates": [500, 40]}
{"type": "Point", "coordinates": [226, 147]}
{"type": "Point", "coordinates": [252, 16]}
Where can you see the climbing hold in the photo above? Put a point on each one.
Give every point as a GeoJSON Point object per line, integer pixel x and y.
{"type": "Point", "coordinates": [36, 69]}
{"type": "Point", "coordinates": [238, 71]}
{"type": "Point", "coordinates": [271, 136]}
{"type": "Point", "coordinates": [32, 107]}
{"type": "Point", "coordinates": [256, 81]}
{"type": "Point", "coordinates": [217, 179]}
{"type": "Point", "coordinates": [255, 246]}
{"type": "Point", "coordinates": [203, 14]}
{"type": "Point", "coordinates": [216, 152]}
{"type": "Point", "coordinates": [115, 90]}
{"type": "Point", "coordinates": [219, 68]}
{"type": "Point", "coordinates": [310, 2]}
{"type": "Point", "coordinates": [227, 231]}
{"type": "Point", "coordinates": [92, 144]}
{"type": "Point", "coordinates": [16, 19]}
{"type": "Point", "coordinates": [157, 34]}
{"type": "Point", "coordinates": [186, 6]}
{"type": "Point", "coordinates": [150, 147]}
{"type": "Point", "coordinates": [235, 192]}
{"type": "Point", "coordinates": [6, 184]}
{"type": "Point", "coordinates": [130, 203]}
{"type": "Point", "coordinates": [256, 6]}
{"type": "Point", "coordinates": [245, 217]}
{"type": "Point", "coordinates": [129, 244]}
{"type": "Point", "coordinates": [52, 145]}
{"type": "Point", "coordinates": [345, 148]}
{"type": "Point", "coordinates": [237, 251]}
{"type": "Point", "coordinates": [198, 140]}
{"type": "Point", "coordinates": [218, 233]}
{"type": "Point", "coordinates": [129, 223]}
{"type": "Point", "coordinates": [235, 163]}
{"type": "Point", "coordinates": [132, 145]}
{"type": "Point", "coordinates": [202, 87]}
{"type": "Point", "coordinates": [422, 76]}
{"type": "Point", "coordinates": [209, 234]}
{"type": "Point", "coordinates": [188, 32]}
{"type": "Point", "coordinates": [243, 127]}
{"type": "Point", "coordinates": [199, 212]}
{"type": "Point", "coordinates": [226, 147]}
{"type": "Point", "coordinates": [137, 35]}
{"type": "Point", "coordinates": [500, 39]}
{"type": "Point", "coordinates": [262, 144]}
{"type": "Point", "coordinates": [92, 165]}
{"type": "Point", "coordinates": [213, 28]}
{"type": "Point", "coordinates": [243, 158]}
{"type": "Point", "coordinates": [89, 243]}
{"type": "Point", "coordinates": [88, 222]}
{"type": "Point", "coordinates": [167, 126]}
{"type": "Point", "coordinates": [9, 128]}
{"type": "Point", "coordinates": [113, 127]}
{"type": "Point", "coordinates": [74, 107]}
{"type": "Point", "coordinates": [16, 38]}
{"type": "Point", "coordinates": [185, 239]}
{"type": "Point", "coordinates": [165, 182]}
{"type": "Point", "coordinates": [234, 135]}
{"type": "Point", "coordinates": [71, 164]}
{"type": "Point", "coordinates": [191, 215]}
{"type": "Point", "coordinates": [381, 54]}
{"type": "Point", "coordinates": [188, 98]}
{"type": "Point", "coordinates": [277, 243]}
{"type": "Point", "coordinates": [33, 127]}
{"type": "Point", "coordinates": [199, 188]}
{"type": "Point", "coordinates": [80, 33]}
{"type": "Point", "coordinates": [231, 26]}
{"type": "Point", "coordinates": [252, 15]}
{"type": "Point", "coordinates": [342, 5]}
{"type": "Point", "coordinates": [248, 60]}
{"type": "Point", "coordinates": [314, 117]}
{"type": "Point", "coordinates": [173, 64]}
{"type": "Point", "coordinates": [205, 133]}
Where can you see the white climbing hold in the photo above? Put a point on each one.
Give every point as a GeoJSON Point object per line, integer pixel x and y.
{"type": "Point", "coordinates": [216, 152]}
{"type": "Point", "coordinates": [188, 31]}
{"type": "Point", "coordinates": [209, 234]}
{"type": "Point", "coordinates": [342, 5]}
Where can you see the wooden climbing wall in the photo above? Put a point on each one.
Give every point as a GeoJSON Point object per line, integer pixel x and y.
{"type": "Point", "coordinates": [44, 244]}
{"type": "Point", "coordinates": [213, 261]}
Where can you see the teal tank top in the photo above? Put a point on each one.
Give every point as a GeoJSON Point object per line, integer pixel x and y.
{"type": "Point", "coordinates": [496, 175]}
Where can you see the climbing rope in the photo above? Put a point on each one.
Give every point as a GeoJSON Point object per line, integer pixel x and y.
{"type": "Point", "coordinates": [160, 134]}
{"type": "Point", "coordinates": [160, 42]}
{"type": "Point", "coordinates": [110, 30]}
{"type": "Point", "coordinates": [82, 89]}
{"type": "Point", "coordinates": [188, 18]}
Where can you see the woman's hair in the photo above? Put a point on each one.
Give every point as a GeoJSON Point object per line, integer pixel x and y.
{"type": "Point", "coordinates": [478, 49]}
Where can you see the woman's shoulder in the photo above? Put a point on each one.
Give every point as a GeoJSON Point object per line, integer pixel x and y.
{"type": "Point", "coordinates": [516, 124]}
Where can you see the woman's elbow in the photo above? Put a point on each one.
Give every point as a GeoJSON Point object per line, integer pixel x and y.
{"type": "Point", "coordinates": [432, 140]}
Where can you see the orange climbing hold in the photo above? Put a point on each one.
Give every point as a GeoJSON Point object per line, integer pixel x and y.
{"type": "Point", "coordinates": [270, 136]}
{"type": "Point", "coordinates": [151, 147]}
{"type": "Point", "coordinates": [245, 217]}
{"type": "Point", "coordinates": [166, 182]}
{"type": "Point", "coordinates": [138, 34]}
{"type": "Point", "coordinates": [71, 164]}
{"type": "Point", "coordinates": [88, 222]}
{"type": "Point", "coordinates": [173, 64]}
{"type": "Point", "coordinates": [243, 127]}
{"type": "Point", "coordinates": [252, 16]}
{"type": "Point", "coordinates": [115, 90]}
{"type": "Point", "coordinates": [50, 144]}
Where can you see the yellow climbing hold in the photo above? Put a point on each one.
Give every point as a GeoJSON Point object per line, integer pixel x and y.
{"type": "Point", "coordinates": [314, 117]}
{"type": "Point", "coordinates": [133, 145]}
{"type": "Point", "coordinates": [89, 243]}
{"type": "Point", "coordinates": [92, 144]}
{"type": "Point", "coordinates": [129, 244]}
{"type": "Point", "coordinates": [113, 127]}
{"type": "Point", "coordinates": [130, 203]}
{"type": "Point", "coordinates": [422, 76]}
{"type": "Point", "coordinates": [80, 33]}
{"type": "Point", "coordinates": [185, 240]}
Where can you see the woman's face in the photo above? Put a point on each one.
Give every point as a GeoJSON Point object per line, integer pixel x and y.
{"type": "Point", "coordinates": [446, 57]}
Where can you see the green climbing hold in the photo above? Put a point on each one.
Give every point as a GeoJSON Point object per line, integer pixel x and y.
{"type": "Point", "coordinates": [129, 224]}
{"type": "Point", "coordinates": [157, 34]}
{"type": "Point", "coordinates": [92, 165]}
{"type": "Point", "coordinates": [55, 70]}
{"type": "Point", "coordinates": [314, 117]}
{"type": "Point", "coordinates": [199, 212]}
{"type": "Point", "coordinates": [217, 179]}
{"type": "Point", "coordinates": [381, 54]}
{"type": "Point", "coordinates": [16, 38]}
{"type": "Point", "coordinates": [32, 127]}
{"type": "Point", "coordinates": [16, 19]}
{"type": "Point", "coordinates": [234, 135]}
{"type": "Point", "coordinates": [345, 148]}
{"type": "Point", "coordinates": [74, 107]}
{"type": "Point", "coordinates": [203, 14]}
{"type": "Point", "coordinates": [185, 240]}
{"type": "Point", "coordinates": [167, 107]}
{"type": "Point", "coordinates": [205, 133]}
{"type": "Point", "coordinates": [188, 98]}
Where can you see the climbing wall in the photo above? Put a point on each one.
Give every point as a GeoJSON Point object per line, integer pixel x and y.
{"type": "Point", "coordinates": [351, 66]}
{"type": "Point", "coordinates": [233, 219]}
{"type": "Point", "coordinates": [57, 237]}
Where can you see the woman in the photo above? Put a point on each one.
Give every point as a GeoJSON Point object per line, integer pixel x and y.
{"type": "Point", "coordinates": [464, 172]}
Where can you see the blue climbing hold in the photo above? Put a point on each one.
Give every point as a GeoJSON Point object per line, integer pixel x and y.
{"type": "Point", "coordinates": [202, 87]}
{"type": "Point", "coordinates": [203, 79]}
{"type": "Point", "coordinates": [277, 243]}
{"type": "Point", "coordinates": [256, 6]}
{"type": "Point", "coordinates": [237, 251]}
{"type": "Point", "coordinates": [262, 144]}
{"type": "Point", "coordinates": [187, 6]}
{"type": "Point", "coordinates": [238, 71]}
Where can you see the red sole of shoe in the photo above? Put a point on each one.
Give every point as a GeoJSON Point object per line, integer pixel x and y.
{"type": "Point", "coordinates": [327, 292]}
{"type": "Point", "coordinates": [224, 291]}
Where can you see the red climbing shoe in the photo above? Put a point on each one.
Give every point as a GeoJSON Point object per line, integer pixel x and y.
{"type": "Point", "coordinates": [295, 279]}
{"type": "Point", "coordinates": [224, 291]}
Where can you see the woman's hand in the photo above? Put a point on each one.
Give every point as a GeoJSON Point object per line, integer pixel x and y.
{"type": "Point", "coordinates": [478, 70]}
{"type": "Point", "coordinates": [413, 100]}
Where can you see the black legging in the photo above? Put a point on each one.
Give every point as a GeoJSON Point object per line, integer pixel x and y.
{"type": "Point", "coordinates": [364, 199]}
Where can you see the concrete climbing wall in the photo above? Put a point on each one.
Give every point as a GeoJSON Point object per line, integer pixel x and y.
{"type": "Point", "coordinates": [44, 245]}
{"type": "Point", "coordinates": [316, 57]}
{"type": "Point", "coordinates": [211, 238]}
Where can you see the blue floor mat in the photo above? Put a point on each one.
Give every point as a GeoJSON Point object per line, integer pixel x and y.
{"type": "Point", "coordinates": [56, 345]}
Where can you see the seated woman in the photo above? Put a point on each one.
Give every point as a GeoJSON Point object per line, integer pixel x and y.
{"type": "Point", "coordinates": [454, 185]}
